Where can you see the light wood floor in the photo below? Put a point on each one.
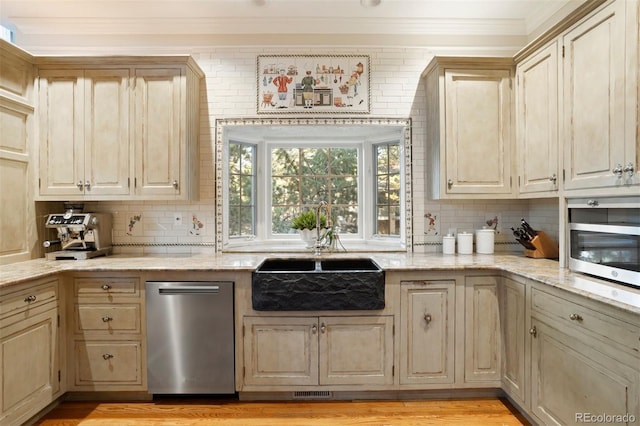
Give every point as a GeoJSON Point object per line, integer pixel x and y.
{"type": "Point", "coordinates": [467, 412]}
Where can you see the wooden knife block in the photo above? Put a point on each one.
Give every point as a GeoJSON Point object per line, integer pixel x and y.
{"type": "Point", "coordinates": [546, 248]}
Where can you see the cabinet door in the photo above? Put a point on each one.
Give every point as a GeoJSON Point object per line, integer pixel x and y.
{"type": "Point", "coordinates": [280, 351]}
{"type": "Point", "coordinates": [570, 379]}
{"type": "Point", "coordinates": [29, 370]}
{"type": "Point", "coordinates": [478, 131]}
{"type": "Point", "coordinates": [482, 331]}
{"type": "Point", "coordinates": [594, 99]}
{"type": "Point", "coordinates": [61, 111]}
{"type": "Point", "coordinates": [514, 335]}
{"type": "Point", "coordinates": [356, 350]}
{"type": "Point", "coordinates": [159, 136]}
{"type": "Point", "coordinates": [107, 145]}
{"type": "Point", "coordinates": [537, 121]}
{"type": "Point", "coordinates": [427, 332]}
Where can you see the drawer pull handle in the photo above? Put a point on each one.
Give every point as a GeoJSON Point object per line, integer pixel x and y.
{"type": "Point", "coordinates": [106, 319]}
{"type": "Point", "coordinates": [427, 318]}
{"type": "Point", "coordinates": [30, 298]}
{"type": "Point", "coordinates": [106, 287]}
{"type": "Point", "coordinates": [107, 356]}
{"type": "Point", "coordinates": [575, 317]}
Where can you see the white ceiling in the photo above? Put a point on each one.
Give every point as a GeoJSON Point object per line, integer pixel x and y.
{"type": "Point", "coordinates": [44, 24]}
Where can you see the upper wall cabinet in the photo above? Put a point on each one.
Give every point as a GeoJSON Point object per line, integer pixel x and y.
{"type": "Point", "coordinates": [84, 133]}
{"type": "Point", "coordinates": [469, 131]}
{"type": "Point", "coordinates": [119, 129]}
{"type": "Point", "coordinates": [600, 100]}
{"type": "Point", "coordinates": [537, 123]}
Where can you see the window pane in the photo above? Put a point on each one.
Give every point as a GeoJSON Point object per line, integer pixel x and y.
{"type": "Point", "coordinates": [241, 189]}
{"type": "Point", "coordinates": [285, 161]}
{"type": "Point", "coordinates": [329, 174]}
{"type": "Point", "coordinates": [387, 189]}
{"type": "Point", "coordinates": [286, 190]}
{"type": "Point", "coordinates": [345, 219]}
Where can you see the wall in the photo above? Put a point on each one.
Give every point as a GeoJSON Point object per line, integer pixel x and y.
{"type": "Point", "coordinates": [230, 92]}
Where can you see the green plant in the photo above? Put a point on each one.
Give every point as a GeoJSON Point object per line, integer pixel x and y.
{"type": "Point", "coordinates": [307, 220]}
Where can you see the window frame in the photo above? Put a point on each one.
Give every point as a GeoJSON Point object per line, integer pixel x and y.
{"type": "Point", "coordinates": [255, 131]}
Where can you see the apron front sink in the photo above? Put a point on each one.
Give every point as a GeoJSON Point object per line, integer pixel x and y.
{"type": "Point", "coordinates": [317, 285]}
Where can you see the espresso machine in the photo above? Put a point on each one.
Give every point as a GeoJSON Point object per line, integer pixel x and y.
{"type": "Point", "coordinates": [80, 235]}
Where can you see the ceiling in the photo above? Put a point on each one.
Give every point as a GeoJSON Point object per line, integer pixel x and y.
{"type": "Point", "coordinates": [46, 24]}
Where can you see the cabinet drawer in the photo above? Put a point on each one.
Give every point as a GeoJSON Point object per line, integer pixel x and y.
{"type": "Point", "coordinates": [587, 319]}
{"type": "Point", "coordinates": [28, 298]}
{"type": "Point", "coordinates": [108, 363]}
{"type": "Point", "coordinates": [107, 287]}
{"type": "Point", "coordinates": [107, 318]}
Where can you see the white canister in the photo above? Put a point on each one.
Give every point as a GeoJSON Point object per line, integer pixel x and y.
{"type": "Point", "coordinates": [484, 241]}
{"type": "Point", "coordinates": [465, 243]}
{"type": "Point", "coordinates": [448, 244]}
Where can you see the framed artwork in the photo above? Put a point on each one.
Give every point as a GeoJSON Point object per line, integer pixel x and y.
{"type": "Point", "coordinates": [313, 84]}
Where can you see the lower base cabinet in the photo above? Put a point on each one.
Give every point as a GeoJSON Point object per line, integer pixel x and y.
{"type": "Point", "coordinates": [294, 351]}
{"type": "Point", "coordinates": [573, 383]}
{"type": "Point", "coordinates": [29, 351]}
{"type": "Point", "coordinates": [514, 338]}
{"type": "Point", "coordinates": [427, 333]}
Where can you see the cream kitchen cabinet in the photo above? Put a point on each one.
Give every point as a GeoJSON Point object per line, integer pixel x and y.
{"type": "Point", "coordinates": [469, 127]}
{"type": "Point", "coordinates": [308, 351]}
{"type": "Point", "coordinates": [29, 349]}
{"type": "Point", "coordinates": [585, 358]}
{"type": "Point", "coordinates": [600, 100]}
{"type": "Point", "coordinates": [427, 325]}
{"type": "Point", "coordinates": [106, 348]}
{"type": "Point", "coordinates": [84, 133]}
{"type": "Point", "coordinates": [482, 331]}
{"type": "Point", "coordinates": [513, 323]}
{"type": "Point", "coordinates": [118, 130]}
{"type": "Point", "coordinates": [17, 106]}
{"type": "Point", "coordinates": [537, 123]}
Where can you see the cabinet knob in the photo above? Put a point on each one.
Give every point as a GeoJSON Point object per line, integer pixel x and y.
{"type": "Point", "coordinates": [629, 169]}
{"type": "Point", "coordinates": [323, 328]}
{"type": "Point", "coordinates": [427, 318]}
{"type": "Point", "coordinates": [30, 298]}
{"type": "Point", "coordinates": [107, 356]}
{"type": "Point", "coordinates": [80, 185]}
{"type": "Point", "coordinates": [617, 170]}
{"type": "Point", "coordinates": [593, 203]}
{"type": "Point", "coordinates": [107, 319]}
{"type": "Point", "coordinates": [533, 331]}
{"type": "Point", "coordinates": [106, 287]}
{"type": "Point", "coordinates": [575, 317]}
{"type": "Point", "coordinates": [553, 178]}
{"type": "Point", "coordinates": [175, 184]}
{"type": "Point", "coordinates": [314, 329]}
{"type": "Point", "coordinates": [87, 185]}
{"type": "Point", "coordinates": [449, 183]}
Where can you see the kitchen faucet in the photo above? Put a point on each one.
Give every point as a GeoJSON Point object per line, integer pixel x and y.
{"type": "Point", "coordinates": [319, 244]}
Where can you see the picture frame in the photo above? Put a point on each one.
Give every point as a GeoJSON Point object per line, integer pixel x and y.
{"type": "Point", "coordinates": [313, 84]}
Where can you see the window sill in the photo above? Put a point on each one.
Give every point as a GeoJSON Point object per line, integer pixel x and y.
{"type": "Point", "coordinates": [296, 246]}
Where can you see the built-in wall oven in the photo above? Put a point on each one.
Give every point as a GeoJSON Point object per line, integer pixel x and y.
{"type": "Point", "coordinates": [604, 238]}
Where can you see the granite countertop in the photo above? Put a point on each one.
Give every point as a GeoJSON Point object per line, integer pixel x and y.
{"type": "Point", "coordinates": [541, 270]}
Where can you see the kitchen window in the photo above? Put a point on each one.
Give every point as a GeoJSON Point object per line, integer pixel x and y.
{"type": "Point", "coordinates": [268, 177]}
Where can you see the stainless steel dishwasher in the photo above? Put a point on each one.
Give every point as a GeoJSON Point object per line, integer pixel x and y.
{"type": "Point", "coordinates": [190, 343]}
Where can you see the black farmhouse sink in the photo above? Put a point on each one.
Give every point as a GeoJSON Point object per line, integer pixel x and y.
{"type": "Point", "coordinates": [317, 285]}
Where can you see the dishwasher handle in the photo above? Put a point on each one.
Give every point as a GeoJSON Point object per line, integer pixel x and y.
{"type": "Point", "coordinates": [168, 291]}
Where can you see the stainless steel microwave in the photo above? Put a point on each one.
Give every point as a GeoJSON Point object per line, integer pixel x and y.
{"type": "Point", "coordinates": [604, 238]}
